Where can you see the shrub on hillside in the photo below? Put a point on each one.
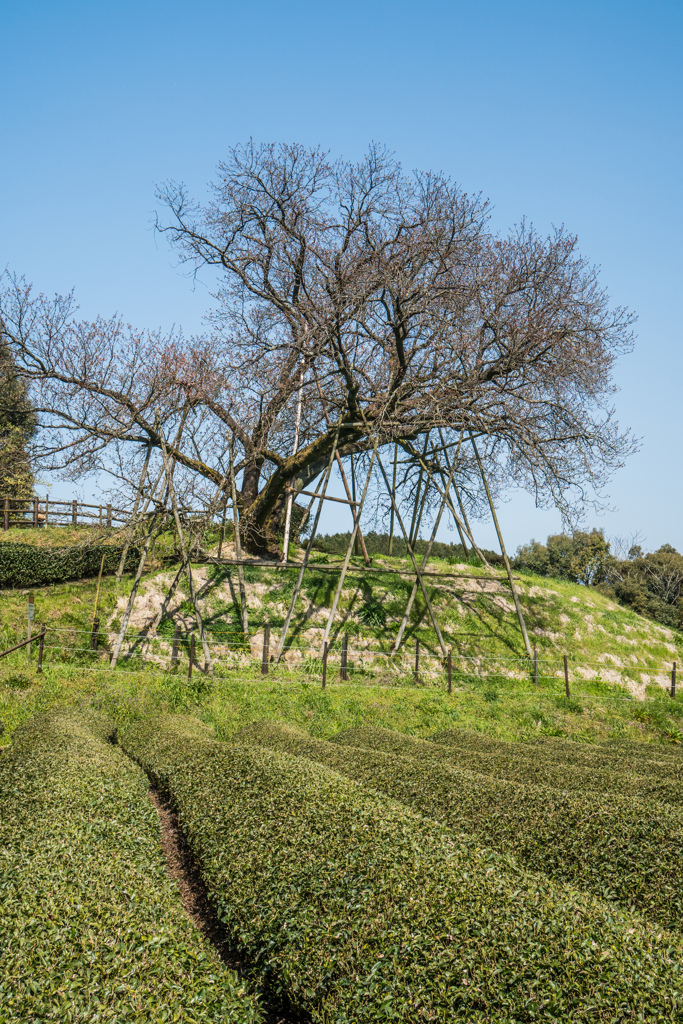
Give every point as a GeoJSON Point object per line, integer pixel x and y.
{"type": "Point", "coordinates": [361, 911]}
{"type": "Point", "coordinates": [26, 565]}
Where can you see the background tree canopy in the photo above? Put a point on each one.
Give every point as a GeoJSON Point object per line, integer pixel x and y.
{"type": "Point", "coordinates": [651, 584]}
{"type": "Point", "coordinates": [383, 299]}
{"type": "Point", "coordinates": [18, 423]}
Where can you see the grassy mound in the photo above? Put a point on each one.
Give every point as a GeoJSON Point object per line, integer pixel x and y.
{"type": "Point", "coordinates": [91, 927]}
{"type": "Point", "coordinates": [527, 764]}
{"type": "Point", "coordinates": [618, 849]}
{"type": "Point", "coordinates": [361, 911]}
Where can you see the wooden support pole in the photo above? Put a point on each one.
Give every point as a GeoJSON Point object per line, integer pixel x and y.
{"type": "Point", "coordinates": [415, 565]}
{"type": "Point", "coordinates": [174, 648]}
{"type": "Point", "coordinates": [411, 539]}
{"type": "Point", "coordinates": [265, 654]}
{"type": "Point", "coordinates": [309, 546]}
{"type": "Point", "coordinates": [450, 673]}
{"type": "Point", "coordinates": [238, 541]}
{"type": "Point", "coordinates": [417, 661]}
{"type": "Point", "coordinates": [393, 496]}
{"type": "Point", "coordinates": [109, 517]}
{"type": "Point", "coordinates": [427, 554]}
{"type": "Point", "coordinates": [131, 526]}
{"type": "Point", "coordinates": [35, 511]}
{"type": "Point", "coordinates": [131, 596]}
{"type": "Point", "coordinates": [184, 551]}
{"type": "Point", "coordinates": [47, 502]}
{"type": "Point", "coordinates": [324, 664]}
{"type": "Point", "coordinates": [673, 681]}
{"type": "Point", "coordinates": [41, 647]}
{"type": "Point", "coordinates": [349, 549]}
{"type": "Point", "coordinates": [97, 592]}
{"type": "Point", "coordinates": [74, 513]}
{"type": "Point", "coordinates": [343, 672]}
{"type": "Point", "coordinates": [566, 677]}
{"type": "Point", "coordinates": [508, 569]}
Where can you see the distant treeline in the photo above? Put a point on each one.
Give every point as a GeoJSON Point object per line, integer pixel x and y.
{"type": "Point", "coordinates": [651, 584]}
{"type": "Point", "coordinates": [378, 544]}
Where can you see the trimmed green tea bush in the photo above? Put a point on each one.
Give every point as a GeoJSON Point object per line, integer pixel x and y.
{"type": "Point", "coordinates": [361, 911]}
{"type": "Point", "coordinates": [618, 849]}
{"type": "Point", "coordinates": [524, 763]}
{"type": "Point", "coordinates": [26, 565]}
{"type": "Point", "coordinates": [91, 927]}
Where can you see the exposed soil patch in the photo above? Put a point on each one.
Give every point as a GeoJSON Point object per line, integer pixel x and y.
{"type": "Point", "coordinates": [182, 868]}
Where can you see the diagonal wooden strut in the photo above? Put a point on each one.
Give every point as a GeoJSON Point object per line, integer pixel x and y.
{"type": "Point", "coordinates": [349, 550]}
{"type": "Point", "coordinates": [413, 593]}
{"type": "Point", "coordinates": [297, 587]}
{"type": "Point", "coordinates": [415, 565]}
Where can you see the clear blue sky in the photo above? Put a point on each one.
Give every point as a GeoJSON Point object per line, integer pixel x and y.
{"type": "Point", "coordinates": [563, 112]}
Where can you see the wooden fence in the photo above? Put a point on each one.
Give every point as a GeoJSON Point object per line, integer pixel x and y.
{"type": "Point", "coordinates": [36, 512]}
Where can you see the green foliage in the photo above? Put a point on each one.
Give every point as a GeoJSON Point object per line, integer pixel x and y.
{"type": "Point", "coordinates": [361, 911]}
{"type": "Point", "coordinates": [651, 584]}
{"type": "Point", "coordinates": [18, 422]}
{"type": "Point", "coordinates": [619, 849]}
{"type": "Point", "coordinates": [25, 565]}
{"type": "Point", "coordinates": [92, 928]}
{"type": "Point", "coordinates": [527, 765]}
{"type": "Point", "coordinates": [378, 544]}
{"type": "Point", "coordinates": [582, 558]}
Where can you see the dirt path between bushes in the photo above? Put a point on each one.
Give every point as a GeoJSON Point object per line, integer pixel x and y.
{"type": "Point", "coordinates": [182, 868]}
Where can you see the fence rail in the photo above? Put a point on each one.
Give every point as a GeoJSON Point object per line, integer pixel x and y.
{"type": "Point", "coordinates": [337, 660]}
{"type": "Point", "coordinates": [37, 512]}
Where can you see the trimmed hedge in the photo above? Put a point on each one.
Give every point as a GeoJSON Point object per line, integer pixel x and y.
{"type": "Point", "coordinates": [618, 849]}
{"type": "Point", "coordinates": [26, 565]}
{"type": "Point", "coordinates": [91, 927]}
{"type": "Point", "coordinates": [361, 911]}
{"type": "Point", "coordinates": [527, 764]}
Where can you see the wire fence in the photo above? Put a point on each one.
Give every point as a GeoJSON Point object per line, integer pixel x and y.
{"type": "Point", "coordinates": [345, 658]}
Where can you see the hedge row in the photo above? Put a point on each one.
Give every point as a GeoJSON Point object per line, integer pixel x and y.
{"type": "Point", "coordinates": [527, 764]}
{"type": "Point", "coordinates": [620, 850]}
{"type": "Point", "coordinates": [361, 911]}
{"type": "Point", "coordinates": [640, 758]}
{"type": "Point", "coordinates": [91, 927]}
{"type": "Point", "coordinates": [26, 565]}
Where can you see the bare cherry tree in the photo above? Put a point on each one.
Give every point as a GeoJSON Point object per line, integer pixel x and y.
{"type": "Point", "coordinates": [385, 298]}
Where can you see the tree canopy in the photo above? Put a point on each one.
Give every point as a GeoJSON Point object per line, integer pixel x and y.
{"type": "Point", "coordinates": [380, 300]}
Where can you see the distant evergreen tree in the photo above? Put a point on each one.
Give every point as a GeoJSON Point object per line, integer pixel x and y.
{"type": "Point", "coordinates": [18, 423]}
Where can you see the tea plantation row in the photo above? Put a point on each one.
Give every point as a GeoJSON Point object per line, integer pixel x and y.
{"type": "Point", "coordinates": [91, 927]}
{"type": "Point", "coordinates": [360, 910]}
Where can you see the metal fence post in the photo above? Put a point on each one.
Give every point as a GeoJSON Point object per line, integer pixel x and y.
{"type": "Point", "coordinates": [39, 667]}
{"type": "Point", "coordinates": [324, 664]}
{"type": "Point", "coordinates": [343, 673]}
{"type": "Point", "coordinates": [265, 654]}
